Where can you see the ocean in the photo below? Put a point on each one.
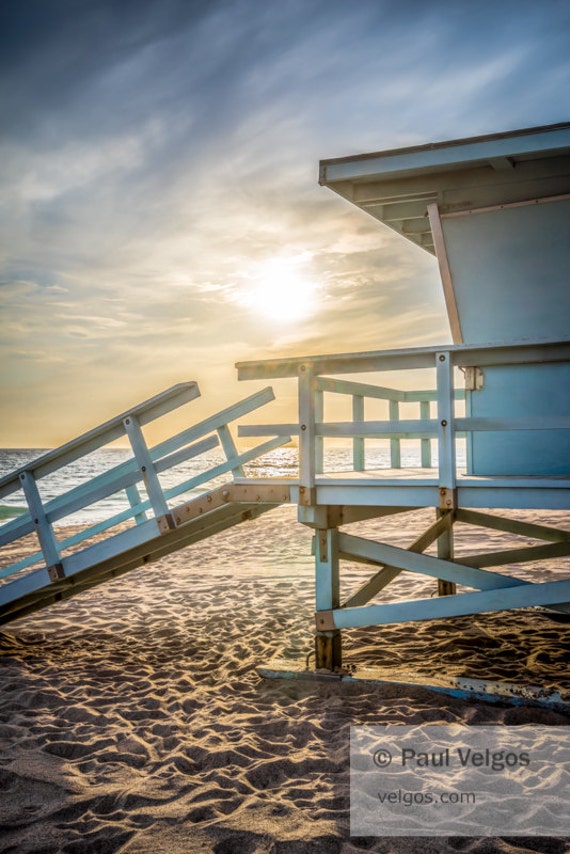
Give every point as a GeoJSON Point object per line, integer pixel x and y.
{"type": "Point", "coordinates": [281, 462]}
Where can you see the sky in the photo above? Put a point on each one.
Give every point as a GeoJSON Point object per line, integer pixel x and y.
{"type": "Point", "coordinates": [160, 213]}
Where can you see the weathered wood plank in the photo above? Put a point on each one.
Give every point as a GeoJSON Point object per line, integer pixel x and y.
{"type": "Point", "coordinates": [456, 686]}
{"type": "Point", "coordinates": [511, 526]}
{"type": "Point", "coordinates": [503, 599]}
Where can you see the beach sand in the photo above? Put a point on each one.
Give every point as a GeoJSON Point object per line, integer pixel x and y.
{"type": "Point", "coordinates": [132, 718]}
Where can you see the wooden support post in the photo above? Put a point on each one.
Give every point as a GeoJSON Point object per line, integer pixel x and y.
{"type": "Point", "coordinates": [358, 456]}
{"type": "Point", "coordinates": [447, 459]}
{"type": "Point", "coordinates": [328, 647]}
{"type": "Point", "coordinates": [445, 272]}
{"type": "Point", "coordinates": [445, 551]}
{"type": "Point", "coordinates": [328, 650]}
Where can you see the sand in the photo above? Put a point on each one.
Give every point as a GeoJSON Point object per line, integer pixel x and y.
{"type": "Point", "coordinates": [132, 718]}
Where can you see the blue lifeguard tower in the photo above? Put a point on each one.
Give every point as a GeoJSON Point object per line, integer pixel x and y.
{"type": "Point", "coordinates": [494, 210]}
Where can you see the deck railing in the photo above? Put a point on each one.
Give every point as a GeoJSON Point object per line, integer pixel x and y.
{"type": "Point", "coordinates": [360, 392]}
{"type": "Point", "coordinates": [316, 377]}
{"type": "Point", "coordinates": [353, 430]}
{"type": "Point", "coordinates": [142, 469]}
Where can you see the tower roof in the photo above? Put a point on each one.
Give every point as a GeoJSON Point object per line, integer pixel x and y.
{"type": "Point", "coordinates": [396, 186]}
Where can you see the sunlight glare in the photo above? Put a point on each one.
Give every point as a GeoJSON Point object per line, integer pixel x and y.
{"type": "Point", "coordinates": [282, 291]}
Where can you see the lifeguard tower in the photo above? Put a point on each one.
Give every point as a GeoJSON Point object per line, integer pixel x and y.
{"type": "Point", "coordinates": [495, 212]}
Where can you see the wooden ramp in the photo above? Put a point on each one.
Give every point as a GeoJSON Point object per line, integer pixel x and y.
{"type": "Point", "coordinates": [152, 524]}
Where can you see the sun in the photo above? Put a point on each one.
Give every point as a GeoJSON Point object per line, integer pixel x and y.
{"type": "Point", "coordinates": [282, 291]}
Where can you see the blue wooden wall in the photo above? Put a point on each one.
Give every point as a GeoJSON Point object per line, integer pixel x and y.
{"type": "Point", "coordinates": [510, 271]}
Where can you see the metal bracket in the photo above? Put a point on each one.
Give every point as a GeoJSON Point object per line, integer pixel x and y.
{"type": "Point", "coordinates": [166, 523]}
{"type": "Point", "coordinates": [325, 621]}
{"type": "Point", "coordinates": [323, 546]}
{"type": "Point", "coordinates": [474, 379]}
{"type": "Point", "coordinates": [307, 496]}
{"type": "Point", "coordinates": [447, 498]}
{"type": "Point", "coordinates": [56, 572]}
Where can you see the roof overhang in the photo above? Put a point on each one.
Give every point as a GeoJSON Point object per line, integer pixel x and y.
{"type": "Point", "coordinates": [397, 186]}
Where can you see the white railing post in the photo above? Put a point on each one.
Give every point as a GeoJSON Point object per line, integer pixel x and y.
{"type": "Point", "coordinates": [134, 499]}
{"type": "Point", "coordinates": [358, 453]}
{"type": "Point", "coordinates": [230, 449]}
{"type": "Point", "coordinates": [425, 414]}
{"type": "Point", "coordinates": [44, 531]}
{"type": "Point", "coordinates": [150, 477]}
{"type": "Point", "coordinates": [319, 441]}
{"type": "Point", "coordinates": [446, 430]}
{"type": "Point", "coordinates": [307, 436]}
{"type": "Point", "coordinates": [395, 455]}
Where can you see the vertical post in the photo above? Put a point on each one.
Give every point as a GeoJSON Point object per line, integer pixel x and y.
{"type": "Point", "coordinates": [445, 551]}
{"type": "Point", "coordinates": [445, 272]}
{"type": "Point", "coordinates": [446, 428]}
{"type": "Point", "coordinates": [447, 462]}
{"type": "Point", "coordinates": [134, 500]}
{"type": "Point", "coordinates": [328, 647]}
{"type": "Point", "coordinates": [358, 456]}
{"type": "Point", "coordinates": [469, 437]}
{"type": "Point", "coordinates": [44, 531]}
{"type": "Point", "coordinates": [154, 489]}
{"type": "Point", "coordinates": [319, 445]}
{"type": "Point", "coordinates": [395, 455]}
{"type": "Point", "coordinates": [230, 449]}
{"type": "Point", "coordinates": [307, 419]}
{"type": "Point", "coordinates": [425, 443]}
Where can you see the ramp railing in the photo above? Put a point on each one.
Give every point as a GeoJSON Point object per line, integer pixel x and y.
{"type": "Point", "coordinates": [147, 501]}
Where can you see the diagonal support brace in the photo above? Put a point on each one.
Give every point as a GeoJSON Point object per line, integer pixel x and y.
{"type": "Point", "coordinates": [385, 575]}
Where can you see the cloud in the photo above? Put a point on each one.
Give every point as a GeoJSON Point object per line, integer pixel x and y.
{"type": "Point", "coordinates": [153, 155]}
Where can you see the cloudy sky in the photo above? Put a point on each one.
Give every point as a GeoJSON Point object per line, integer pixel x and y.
{"type": "Point", "coordinates": [160, 215]}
